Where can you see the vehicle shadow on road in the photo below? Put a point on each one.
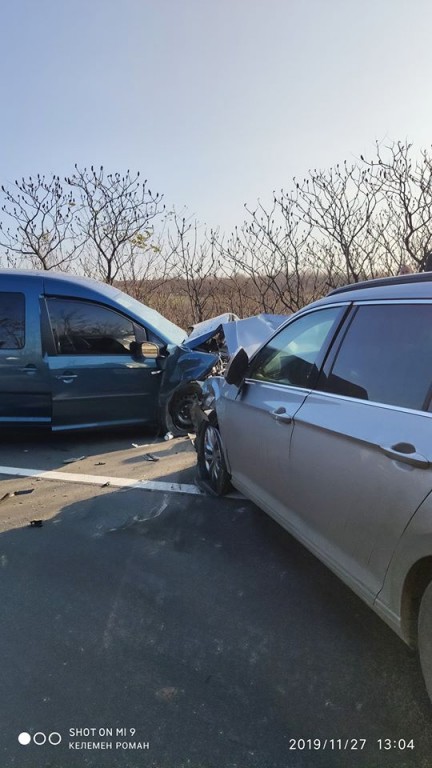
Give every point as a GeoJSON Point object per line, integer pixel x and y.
{"type": "Point", "coordinates": [203, 619]}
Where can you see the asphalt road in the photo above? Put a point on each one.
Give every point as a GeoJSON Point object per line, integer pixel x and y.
{"type": "Point", "coordinates": [193, 628]}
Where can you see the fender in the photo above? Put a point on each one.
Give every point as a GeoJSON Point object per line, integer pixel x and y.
{"type": "Point", "coordinates": [183, 366]}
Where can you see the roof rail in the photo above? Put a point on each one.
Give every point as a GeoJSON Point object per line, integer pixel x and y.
{"type": "Point", "coordinates": [418, 277]}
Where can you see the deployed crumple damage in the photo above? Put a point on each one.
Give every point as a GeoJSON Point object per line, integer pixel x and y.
{"type": "Point", "coordinates": [251, 332]}
{"type": "Point", "coordinates": [205, 331]}
{"type": "Point", "coordinates": [185, 365]}
{"type": "Point", "coordinates": [205, 352]}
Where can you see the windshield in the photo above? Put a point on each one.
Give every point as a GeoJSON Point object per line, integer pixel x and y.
{"type": "Point", "coordinates": [170, 332]}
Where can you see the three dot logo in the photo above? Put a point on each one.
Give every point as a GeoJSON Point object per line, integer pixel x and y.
{"type": "Point", "coordinates": [39, 738]}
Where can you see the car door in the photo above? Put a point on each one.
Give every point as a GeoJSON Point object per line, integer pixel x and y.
{"type": "Point", "coordinates": [95, 377]}
{"type": "Point", "coordinates": [257, 423]}
{"type": "Point", "coordinates": [24, 383]}
{"type": "Point", "coordinates": [362, 448]}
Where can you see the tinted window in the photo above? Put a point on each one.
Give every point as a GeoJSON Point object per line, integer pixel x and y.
{"type": "Point", "coordinates": [88, 329]}
{"type": "Point", "coordinates": [291, 357]}
{"type": "Point", "coordinates": [12, 315]}
{"type": "Point", "coordinates": [386, 356]}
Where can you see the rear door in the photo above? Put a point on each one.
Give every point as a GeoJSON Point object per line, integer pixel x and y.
{"type": "Point", "coordinates": [24, 382]}
{"type": "Point", "coordinates": [95, 378]}
{"type": "Point", "coordinates": [361, 454]}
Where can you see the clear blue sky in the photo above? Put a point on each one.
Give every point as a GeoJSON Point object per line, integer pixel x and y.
{"type": "Point", "coordinates": [217, 102]}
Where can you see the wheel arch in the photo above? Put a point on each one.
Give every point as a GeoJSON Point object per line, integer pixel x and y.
{"type": "Point", "coordinates": [415, 584]}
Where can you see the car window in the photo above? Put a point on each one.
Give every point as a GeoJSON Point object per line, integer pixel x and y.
{"type": "Point", "coordinates": [84, 328]}
{"type": "Point", "coordinates": [292, 356]}
{"type": "Point", "coordinates": [12, 320]}
{"type": "Point", "coordinates": [386, 356]}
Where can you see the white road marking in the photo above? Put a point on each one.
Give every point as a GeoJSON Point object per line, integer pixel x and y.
{"type": "Point", "coordinates": [114, 482]}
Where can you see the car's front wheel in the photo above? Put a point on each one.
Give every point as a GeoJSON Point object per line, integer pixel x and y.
{"type": "Point", "coordinates": [179, 420]}
{"type": "Point", "coordinates": [211, 462]}
{"type": "Point", "coordinates": [425, 637]}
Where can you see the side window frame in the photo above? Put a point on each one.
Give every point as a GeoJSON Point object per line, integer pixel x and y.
{"type": "Point", "coordinates": [24, 319]}
{"type": "Point", "coordinates": [344, 311]}
{"type": "Point", "coordinates": [48, 333]}
{"type": "Point", "coordinates": [333, 352]}
{"type": "Point", "coordinates": [329, 363]}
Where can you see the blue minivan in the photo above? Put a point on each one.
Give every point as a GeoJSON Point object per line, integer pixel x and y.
{"type": "Point", "coordinates": [76, 354]}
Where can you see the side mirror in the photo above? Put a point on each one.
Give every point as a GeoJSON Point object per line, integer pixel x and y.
{"type": "Point", "coordinates": [144, 349]}
{"type": "Point", "coordinates": [237, 368]}
{"type": "Point", "coordinates": [148, 349]}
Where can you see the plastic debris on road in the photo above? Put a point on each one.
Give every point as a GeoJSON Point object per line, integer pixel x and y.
{"type": "Point", "coordinates": [150, 457]}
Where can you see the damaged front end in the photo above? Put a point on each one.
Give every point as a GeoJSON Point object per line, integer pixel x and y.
{"type": "Point", "coordinates": [200, 355]}
{"type": "Point", "coordinates": [206, 352]}
{"type": "Point", "coordinates": [184, 372]}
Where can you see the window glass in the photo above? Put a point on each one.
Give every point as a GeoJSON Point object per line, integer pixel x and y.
{"type": "Point", "coordinates": [83, 328]}
{"type": "Point", "coordinates": [291, 357]}
{"type": "Point", "coordinates": [386, 356]}
{"type": "Point", "coordinates": [169, 332]}
{"type": "Point", "coordinates": [12, 320]}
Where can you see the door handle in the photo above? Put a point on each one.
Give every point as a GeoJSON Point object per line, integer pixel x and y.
{"type": "Point", "coordinates": [67, 377]}
{"type": "Point", "coordinates": [406, 452]}
{"type": "Point", "coordinates": [281, 415]}
{"type": "Point", "coordinates": [29, 369]}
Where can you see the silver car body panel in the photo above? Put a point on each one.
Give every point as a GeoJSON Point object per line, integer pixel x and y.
{"type": "Point", "coordinates": [325, 473]}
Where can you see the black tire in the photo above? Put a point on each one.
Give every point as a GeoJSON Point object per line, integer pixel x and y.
{"type": "Point", "coordinates": [179, 419]}
{"type": "Point", "coordinates": [211, 463]}
{"type": "Point", "coordinates": [425, 637]}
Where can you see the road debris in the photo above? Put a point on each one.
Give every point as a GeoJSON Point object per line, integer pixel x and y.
{"type": "Point", "coordinates": [100, 463]}
{"type": "Point", "coordinates": [105, 485]}
{"type": "Point", "coordinates": [169, 436]}
{"type": "Point", "coordinates": [150, 457]}
{"type": "Point", "coordinates": [35, 524]}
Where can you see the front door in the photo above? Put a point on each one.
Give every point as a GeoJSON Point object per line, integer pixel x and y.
{"type": "Point", "coordinates": [96, 379]}
{"type": "Point", "coordinates": [257, 426]}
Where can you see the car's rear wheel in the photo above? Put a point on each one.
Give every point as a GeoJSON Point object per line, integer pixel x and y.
{"type": "Point", "coordinates": [425, 637]}
{"type": "Point", "coordinates": [211, 462]}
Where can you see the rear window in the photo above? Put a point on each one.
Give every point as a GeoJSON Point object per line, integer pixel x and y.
{"type": "Point", "coordinates": [12, 320]}
{"type": "Point", "coordinates": [386, 356]}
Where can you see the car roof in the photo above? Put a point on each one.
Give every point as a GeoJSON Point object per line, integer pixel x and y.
{"type": "Point", "coordinates": [61, 278]}
{"type": "Point", "coordinates": [419, 284]}
{"type": "Point", "coordinates": [59, 284]}
{"type": "Point", "coordinates": [401, 287]}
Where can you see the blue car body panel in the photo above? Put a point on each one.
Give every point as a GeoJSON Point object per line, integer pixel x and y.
{"type": "Point", "coordinates": [45, 382]}
{"type": "Point", "coordinates": [41, 387]}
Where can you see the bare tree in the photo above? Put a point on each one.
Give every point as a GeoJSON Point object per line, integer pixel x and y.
{"type": "Point", "coordinates": [194, 262]}
{"type": "Point", "coordinates": [271, 260]}
{"type": "Point", "coordinates": [116, 220]}
{"type": "Point", "coordinates": [339, 205]}
{"type": "Point", "coordinates": [404, 228]}
{"type": "Point", "coordinates": [41, 233]}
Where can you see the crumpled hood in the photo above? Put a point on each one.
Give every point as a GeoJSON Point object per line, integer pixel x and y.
{"type": "Point", "coordinates": [202, 332]}
{"type": "Point", "coordinates": [251, 332]}
{"type": "Point", "coordinates": [248, 333]}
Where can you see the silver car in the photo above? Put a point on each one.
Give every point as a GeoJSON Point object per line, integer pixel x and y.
{"type": "Point", "coordinates": [328, 428]}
